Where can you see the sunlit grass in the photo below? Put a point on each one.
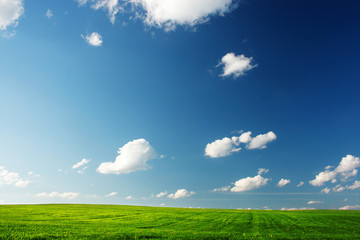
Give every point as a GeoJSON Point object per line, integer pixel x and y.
{"type": "Point", "coordinates": [130, 222]}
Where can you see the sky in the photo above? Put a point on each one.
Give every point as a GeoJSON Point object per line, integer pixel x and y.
{"type": "Point", "coordinates": [202, 104]}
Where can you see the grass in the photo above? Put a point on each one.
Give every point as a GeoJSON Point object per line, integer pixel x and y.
{"type": "Point", "coordinates": [58, 221]}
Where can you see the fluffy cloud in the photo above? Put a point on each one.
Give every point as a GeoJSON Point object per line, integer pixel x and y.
{"type": "Point", "coordinates": [355, 207]}
{"type": "Point", "coordinates": [159, 195]}
{"type": "Point", "coordinates": [181, 193]}
{"type": "Point", "coordinates": [11, 178]}
{"type": "Point", "coordinates": [65, 195]}
{"type": "Point", "coordinates": [168, 14]}
{"type": "Point", "coordinates": [133, 156]}
{"type": "Point", "coordinates": [93, 39]}
{"type": "Point", "coordinates": [81, 2]}
{"type": "Point", "coordinates": [300, 184]}
{"type": "Point", "coordinates": [326, 190]}
{"type": "Point", "coordinates": [111, 194]}
{"type": "Point", "coordinates": [314, 202]}
{"type": "Point", "coordinates": [260, 141]}
{"type": "Point", "coordinates": [283, 182]}
{"type": "Point", "coordinates": [235, 65]}
{"type": "Point", "coordinates": [355, 185]}
{"type": "Point", "coordinates": [49, 14]}
{"type": "Point", "coordinates": [263, 170]}
{"type": "Point", "coordinates": [10, 12]}
{"type": "Point", "coordinates": [224, 147]}
{"type": "Point", "coordinates": [338, 188]}
{"type": "Point", "coordinates": [129, 198]}
{"type": "Point", "coordinates": [346, 168]}
{"type": "Point", "coordinates": [249, 183]}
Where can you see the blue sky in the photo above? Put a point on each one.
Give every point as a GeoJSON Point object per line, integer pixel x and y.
{"type": "Point", "coordinates": [197, 95]}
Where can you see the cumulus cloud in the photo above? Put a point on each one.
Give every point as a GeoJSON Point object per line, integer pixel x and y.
{"type": "Point", "coordinates": [235, 65]}
{"type": "Point", "coordinates": [129, 198]}
{"type": "Point", "coordinates": [260, 141]}
{"type": "Point", "coordinates": [11, 178]}
{"type": "Point", "coordinates": [314, 202]}
{"type": "Point", "coordinates": [326, 190]}
{"type": "Point", "coordinates": [354, 207]}
{"type": "Point", "coordinates": [10, 12]}
{"type": "Point", "coordinates": [159, 195]}
{"type": "Point", "coordinates": [355, 185]}
{"type": "Point", "coordinates": [180, 193]}
{"type": "Point", "coordinates": [49, 14]}
{"type": "Point", "coordinates": [168, 14]}
{"type": "Point", "coordinates": [65, 195]}
{"type": "Point", "coordinates": [224, 147]}
{"type": "Point", "coordinates": [295, 209]}
{"type": "Point", "coordinates": [283, 182]}
{"type": "Point", "coordinates": [249, 183]}
{"type": "Point", "coordinates": [300, 184]}
{"type": "Point", "coordinates": [346, 169]}
{"type": "Point", "coordinates": [111, 194]}
{"type": "Point", "coordinates": [94, 39]}
{"type": "Point", "coordinates": [338, 188]}
{"type": "Point", "coordinates": [133, 156]}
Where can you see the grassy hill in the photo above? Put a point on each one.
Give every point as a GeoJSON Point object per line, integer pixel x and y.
{"type": "Point", "coordinates": [60, 221]}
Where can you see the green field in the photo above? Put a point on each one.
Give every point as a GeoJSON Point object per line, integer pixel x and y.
{"type": "Point", "coordinates": [128, 222]}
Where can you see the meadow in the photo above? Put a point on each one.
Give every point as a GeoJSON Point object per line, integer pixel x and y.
{"type": "Point", "coordinates": [77, 221]}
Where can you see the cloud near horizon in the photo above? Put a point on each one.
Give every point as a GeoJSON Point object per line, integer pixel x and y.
{"type": "Point", "coordinates": [133, 156]}
{"type": "Point", "coordinates": [347, 168]}
{"type": "Point", "coordinates": [64, 195]}
{"type": "Point", "coordinates": [12, 178]}
{"type": "Point", "coordinates": [226, 146]}
{"type": "Point", "coordinates": [180, 193]}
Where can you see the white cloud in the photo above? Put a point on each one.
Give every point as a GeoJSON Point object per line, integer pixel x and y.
{"type": "Point", "coordinates": [355, 207]}
{"type": "Point", "coordinates": [111, 6]}
{"type": "Point", "coordinates": [133, 156]}
{"type": "Point", "coordinates": [168, 14]}
{"type": "Point", "coordinates": [300, 184]}
{"type": "Point", "coordinates": [338, 188]}
{"type": "Point", "coordinates": [283, 182]}
{"type": "Point", "coordinates": [235, 65]}
{"type": "Point", "coordinates": [249, 183]}
{"type": "Point", "coordinates": [159, 195]}
{"type": "Point", "coordinates": [263, 170]}
{"type": "Point", "coordinates": [224, 147]}
{"type": "Point", "coordinates": [10, 12]}
{"type": "Point", "coordinates": [220, 148]}
{"type": "Point", "coordinates": [32, 174]}
{"type": "Point", "coordinates": [49, 14]}
{"type": "Point", "coordinates": [81, 171]}
{"type": "Point", "coordinates": [260, 141]}
{"type": "Point", "coordinates": [221, 189]}
{"type": "Point", "coordinates": [81, 163]}
{"type": "Point", "coordinates": [65, 195]}
{"type": "Point", "coordinates": [81, 2]}
{"type": "Point", "coordinates": [295, 209]}
{"type": "Point", "coordinates": [346, 169]}
{"type": "Point", "coordinates": [180, 193]}
{"type": "Point", "coordinates": [111, 194]}
{"type": "Point", "coordinates": [11, 178]}
{"type": "Point", "coordinates": [314, 202]}
{"type": "Point", "coordinates": [355, 185]}
{"type": "Point", "coordinates": [94, 39]}
{"type": "Point", "coordinates": [129, 198]}
{"type": "Point", "coordinates": [326, 190]}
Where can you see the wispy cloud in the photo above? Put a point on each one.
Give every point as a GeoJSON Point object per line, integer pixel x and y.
{"type": "Point", "coordinates": [49, 14]}
{"type": "Point", "coordinates": [65, 195]}
{"type": "Point", "coordinates": [111, 194]}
